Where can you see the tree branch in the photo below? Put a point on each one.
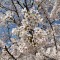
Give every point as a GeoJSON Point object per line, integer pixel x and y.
{"type": "Point", "coordinates": [26, 5]}
{"type": "Point", "coordinates": [16, 11]}
{"type": "Point", "coordinates": [48, 19]}
{"type": "Point", "coordinates": [20, 4]}
{"type": "Point", "coordinates": [10, 53]}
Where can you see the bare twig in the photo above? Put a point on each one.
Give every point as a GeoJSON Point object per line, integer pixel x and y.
{"type": "Point", "coordinates": [10, 53]}
{"type": "Point", "coordinates": [16, 11]}
{"type": "Point", "coordinates": [26, 5]}
{"type": "Point", "coordinates": [48, 19]}
{"type": "Point", "coordinates": [20, 4]}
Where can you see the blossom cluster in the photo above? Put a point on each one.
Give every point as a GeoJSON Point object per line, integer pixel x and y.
{"type": "Point", "coordinates": [31, 36]}
{"type": "Point", "coordinates": [29, 40]}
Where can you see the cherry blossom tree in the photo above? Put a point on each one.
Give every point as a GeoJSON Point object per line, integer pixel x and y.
{"type": "Point", "coordinates": [36, 34]}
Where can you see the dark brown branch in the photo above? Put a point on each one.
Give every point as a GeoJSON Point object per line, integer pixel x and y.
{"type": "Point", "coordinates": [48, 19]}
{"type": "Point", "coordinates": [10, 53]}
{"type": "Point", "coordinates": [16, 11]}
{"type": "Point", "coordinates": [51, 28]}
{"type": "Point", "coordinates": [31, 4]}
{"type": "Point", "coordinates": [20, 4]}
{"type": "Point", "coordinates": [26, 5]}
{"type": "Point", "coordinates": [15, 8]}
{"type": "Point", "coordinates": [31, 31]}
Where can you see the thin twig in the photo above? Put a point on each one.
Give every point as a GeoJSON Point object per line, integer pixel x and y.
{"type": "Point", "coordinates": [15, 8]}
{"type": "Point", "coordinates": [20, 4]}
{"type": "Point", "coordinates": [26, 5]}
{"type": "Point", "coordinates": [48, 19]}
{"type": "Point", "coordinates": [10, 53]}
{"type": "Point", "coordinates": [16, 11]}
